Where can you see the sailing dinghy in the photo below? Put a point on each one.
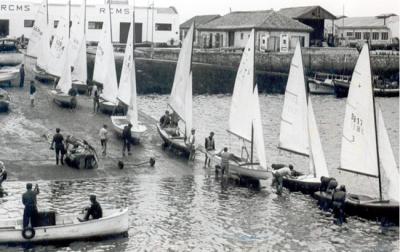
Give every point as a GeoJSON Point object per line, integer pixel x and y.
{"type": "Point", "coordinates": [61, 228]}
{"type": "Point", "coordinates": [245, 121]}
{"type": "Point", "coordinates": [366, 149]}
{"type": "Point", "coordinates": [127, 91]}
{"type": "Point", "coordinates": [180, 100]}
{"type": "Point", "coordinates": [299, 131]}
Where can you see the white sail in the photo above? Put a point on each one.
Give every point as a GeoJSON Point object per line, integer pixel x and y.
{"type": "Point", "coordinates": [65, 82]}
{"type": "Point", "coordinates": [80, 63]}
{"type": "Point", "coordinates": [358, 153]}
{"type": "Point", "coordinates": [104, 68]}
{"type": "Point", "coordinates": [182, 82]}
{"type": "Point", "coordinates": [76, 34]}
{"type": "Point", "coordinates": [189, 105]}
{"type": "Point", "coordinates": [318, 165]}
{"type": "Point", "coordinates": [39, 26]}
{"type": "Point", "coordinates": [240, 116]}
{"type": "Point", "coordinates": [388, 163]}
{"type": "Point", "coordinates": [258, 130]}
{"type": "Point", "coordinates": [44, 49]}
{"type": "Point", "coordinates": [58, 45]}
{"type": "Point", "coordinates": [294, 130]}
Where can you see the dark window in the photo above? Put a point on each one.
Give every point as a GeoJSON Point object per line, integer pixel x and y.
{"type": "Point", "coordinates": [29, 23]}
{"type": "Point", "coordinates": [384, 36]}
{"type": "Point", "coordinates": [163, 27]}
{"type": "Point", "coordinates": [95, 25]}
{"type": "Point", "coordinates": [56, 22]}
{"type": "Point", "coordinates": [357, 35]}
{"type": "Point", "coordinates": [349, 34]}
{"type": "Point", "coordinates": [375, 35]}
{"type": "Point", "coordinates": [366, 35]}
{"type": "Point", "coordinates": [241, 35]}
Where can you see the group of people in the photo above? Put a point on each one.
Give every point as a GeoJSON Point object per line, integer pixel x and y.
{"type": "Point", "coordinates": [333, 197]}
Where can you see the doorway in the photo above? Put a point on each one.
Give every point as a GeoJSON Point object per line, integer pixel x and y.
{"type": "Point", "coordinates": [124, 31]}
{"type": "Point", "coordinates": [4, 27]}
{"type": "Point", "coordinates": [231, 38]}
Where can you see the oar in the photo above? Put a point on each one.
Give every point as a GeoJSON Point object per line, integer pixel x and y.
{"type": "Point", "coordinates": [151, 162]}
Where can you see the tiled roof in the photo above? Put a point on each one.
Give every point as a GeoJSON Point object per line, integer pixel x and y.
{"type": "Point", "coordinates": [199, 20]}
{"type": "Point", "coordinates": [299, 12]}
{"type": "Point", "coordinates": [267, 20]}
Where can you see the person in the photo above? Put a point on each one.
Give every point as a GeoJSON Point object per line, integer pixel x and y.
{"type": "Point", "coordinates": [323, 203]}
{"type": "Point", "coordinates": [103, 139]}
{"type": "Point", "coordinates": [32, 93]}
{"type": "Point", "coordinates": [210, 146]}
{"type": "Point", "coordinates": [190, 144]}
{"type": "Point", "coordinates": [21, 76]}
{"type": "Point", "coordinates": [29, 201]}
{"type": "Point", "coordinates": [165, 120]}
{"type": "Point", "coordinates": [338, 202]}
{"type": "Point", "coordinates": [332, 186]}
{"type": "Point", "coordinates": [58, 140]}
{"type": "Point", "coordinates": [93, 211]}
{"type": "Point", "coordinates": [278, 174]}
{"type": "Point", "coordinates": [96, 99]}
{"type": "Point", "coordinates": [127, 138]}
{"type": "Point", "coordinates": [324, 183]}
{"type": "Point", "coordinates": [72, 92]}
{"type": "Point", "coordinates": [225, 157]}
{"type": "Point", "coordinates": [3, 173]}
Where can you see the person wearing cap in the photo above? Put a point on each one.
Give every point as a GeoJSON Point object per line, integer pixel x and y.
{"type": "Point", "coordinates": [29, 201]}
{"type": "Point", "coordinates": [58, 141]}
{"type": "Point", "coordinates": [338, 203]}
{"type": "Point", "coordinates": [190, 144]}
{"type": "Point", "coordinates": [127, 138]}
{"type": "Point", "coordinates": [286, 171]}
{"type": "Point", "coordinates": [210, 146]}
{"type": "Point", "coordinates": [94, 211]}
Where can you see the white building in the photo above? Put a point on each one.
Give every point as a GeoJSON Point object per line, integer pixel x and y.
{"type": "Point", "coordinates": [158, 25]}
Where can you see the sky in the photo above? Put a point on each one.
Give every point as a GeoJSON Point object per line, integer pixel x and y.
{"type": "Point", "coordinates": [190, 8]}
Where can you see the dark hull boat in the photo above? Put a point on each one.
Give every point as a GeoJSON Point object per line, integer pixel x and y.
{"type": "Point", "coordinates": [342, 90]}
{"type": "Point", "coordinates": [304, 184]}
{"type": "Point", "coordinates": [175, 142]}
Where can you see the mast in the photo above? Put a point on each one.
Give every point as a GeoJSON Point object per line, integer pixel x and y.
{"type": "Point", "coordinates": [69, 19]}
{"type": "Point", "coordinates": [47, 12]}
{"type": "Point", "coordinates": [133, 30]}
{"type": "Point", "coordinates": [109, 12]}
{"type": "Point", "coordinates": [84, 18]}
{"type": "Point", "coordinates": [254, 84]}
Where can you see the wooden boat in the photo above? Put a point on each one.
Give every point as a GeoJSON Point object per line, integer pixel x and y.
{"type": "Point", "coordinates": [366, 148]}
{"type": "Point", "coordinates": [321, 84]}
{"type": "Point", "coordinates": [299, 131]}
{"type": "Point", "coordinates": [43, 76]}
{"type": "Point", "coordinates": [388, 90]}
{"type": "Point", "coordinates": [245, 121]}
{"type": "Point", "coordinates": [180, 100]}
{"type": "Point", "coordinates": [80, 86]}
{"type": "Point", "coordinates": [9, 53]}
{"type": "Point", "coordinates": [127, 92]}
{"type": "Point", "coordinates": [61, 228]}
{"type": "Point", "coordinates": [104, 68]}
{"type": "Point", "coordinates": [80, 154]}
{"type": "Point", "coordinates": [9, 75]}
{"type": "Point", "coordinates": [4, 100]}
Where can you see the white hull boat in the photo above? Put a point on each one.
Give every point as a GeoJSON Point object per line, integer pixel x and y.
{"type": "Point", "coordinates": [9, 74]}
{"type": "Point", "coordinates": [63, 99]}
{"type": "Point", "coordinates": [107, 107]}
{"type": "Point", "coordinates": [67, 228]}
{"type": "Point", "coordinates": [119, 122]}
{"type": "Point", "coordinates": [321, 87]}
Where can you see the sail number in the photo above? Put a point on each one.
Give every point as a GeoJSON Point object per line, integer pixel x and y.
{"type": "Point", "coordinates": [357, 124]}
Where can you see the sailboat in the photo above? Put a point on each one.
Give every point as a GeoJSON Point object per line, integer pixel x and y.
{"type": "Point", "coordinates": [366, 148]}
{"type": "Point", "coordinates": [104, 67]}
{"type": "Point", "coordinates": [245, 120]}
{"type": "Point", "coordinates": [299, 131]}
{"type": "Point", "coordinates": [127, 90]}
{"type": "Point", "coordinates": [180, 100]}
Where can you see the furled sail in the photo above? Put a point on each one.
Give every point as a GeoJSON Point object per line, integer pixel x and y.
{"type": "Point", "coordinates": [240, 118]}
{"type": "Point", "coordinates": [65, 82]}
{"type": "Point", "coordinates": [359, 153]}
{"type": "Point", "coordinates": [388, 163]}
{"type": "Point", "coordinates": [181, 96]}
{"type": "Point", "coordinates": [38, 30]}
{"type": "Point", "coordinates": [294, 127]}
{"type": "Point", "coordinates": [258, 130]}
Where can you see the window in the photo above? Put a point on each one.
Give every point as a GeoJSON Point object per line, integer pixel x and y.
{"type": "Point", "coordinates": [163, 27]}
{"type": "Point", "coordinates": [349, 34]}
{"type": "Point", "coordinates": [29, 23]}
{"type": "Point", "coordinates": [357, 35]}
{"type": "Point", "coordinates": [375, 35]}
{"type": "Point", "coordinates": [384, 36]}
{"type": "Point", "coordinates": [56, 22]}
{"type": "Point", "coordinates": [241, 35]}
{"type": "Point", "coordinates": [366, 35]}
{"type": "Point", "coordinates": [95, 25]}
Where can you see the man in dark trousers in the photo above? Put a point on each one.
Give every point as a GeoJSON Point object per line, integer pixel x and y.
{"type": "Point", "coordinates": [21, 76]}
{"type": "Point", "coordinates": [127, 138]}
{"type": "Point", "coordinates": [210, 146]}
{"type": "Point", "coordinates": [93, 211]}
{"type": "Point", "coordinates": [58, 140]}
{"type": "Point", "coordinates": [29, 201]}
{"type": "Point", "coordinates": [338, 203]}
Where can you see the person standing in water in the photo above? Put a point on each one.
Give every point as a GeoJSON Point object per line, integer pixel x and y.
{"type": "Point", "coordinates": [210, 146]}
{"type": "Point", "coordinates": [103, 133]}
{"type": "Point", "coordinates": [58, 141]}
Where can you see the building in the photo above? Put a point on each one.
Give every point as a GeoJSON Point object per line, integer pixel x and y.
{"type": "Point", "coordinates": [379, 30]}
{"type": "Point", "coordinates": [198, 20]}
{"type": "Point", "coordinates": [158, 25]}
{"type": "Point", "coordinates": [313, 16]}
{"type": "Point", "coordinates": [274, 32]}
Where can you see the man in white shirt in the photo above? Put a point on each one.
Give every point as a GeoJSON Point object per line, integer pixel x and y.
{"type": "Point", "coordinates": [285, 171]}
{"type": "Point", "coordinates": [190, 143]}
{"type": "Point", "coordinates": [103, 139]}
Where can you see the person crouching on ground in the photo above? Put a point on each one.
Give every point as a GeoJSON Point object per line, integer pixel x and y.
{"type": "Point", "coordinates": [58, 141]}
{"type": "Point", "coordinates": [127, 138]}
{"type": "Point", "coordinates": [278, 174]}
{"type": "Point", "coordinates": [94, 211]}
{"type": "Point", "coordinates": [30, 203]}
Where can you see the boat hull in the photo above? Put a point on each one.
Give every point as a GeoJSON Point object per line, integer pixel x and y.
{"type": "Point", "coordinates": [4, 100]}
{"type": "Point", "coordinates": [305, 184]}
{"type": "Point", "coordinates": [11, 59]}
{"type": "Point", "coordinates": [80, 86]}
{"type": "Point", "coordinates": [42, 75]}
{"type": "Point", "coordinates": [177, 143]}
{"type": "Point", "coordinates": [119, 122]}
{"type": "Point", "coordinates": [63, 99]}
{"type": "Point", "coordinates": [342, 90]}
{"type": "Point", "coordinates": [114, 222]}
{"type": "Point", "coordinates": [9, 75]}
{"type": "Point", "coordinates": [107, 107]}
{"type": "Point", "coordinates": [320, 88]}
{"type": "Point", "coordinates": [366, 207]}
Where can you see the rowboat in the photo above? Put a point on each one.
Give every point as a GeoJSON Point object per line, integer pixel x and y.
{"type": "Point", "coordinates": [299, 131]}
{"type": "Point", "coordinates": [342, 88]}
{"type": "Point", "coordinates": [63, 99]}
{"type": "Point", "coordinates": [321, 84]}
{"type": "Point", "coordinates": [42, 75]}
{"type": "Point", "coordinates": [366, 149]}
{"type": "Point", "coordinates": [9, 74]}
{"type": "Point", "coordinates": [119, 122]}
{"type": "Point", "coordinates": [4, 100]}
{"type": "Point", "coordinates": [180, 100]}
{"type": "Point", "coordinates": [60, 228]}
